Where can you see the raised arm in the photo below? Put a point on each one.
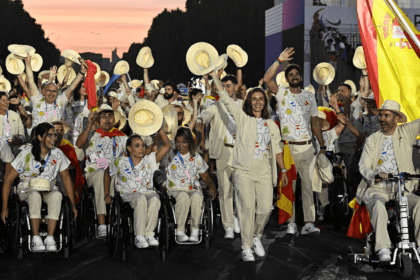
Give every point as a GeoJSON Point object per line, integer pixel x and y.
{"type": "Point", "coordinates": [146, 76]}
{"type": "Point", "coordinates": [239, 77]}
{"type": "Point", "coordinates": [76, 81]}
{"type": "Point", "coordinates": [83, 139]}
{"type": "Point", "coordinates": [23, 85]}
{"type": "Point", "coordinates": [268, 77]}
{"type": "Point", "coordinates": [165, 148]}
{"type": "Point", "coordinates": [33, 89]}
{"type": "Point", "coordinates": [194, 116]}
{"type": "Point", "coordinates": [364, 86]}
{"type": "Point", "coordinates": [126, 87]}
{"type": "Point", "coordinates": [53, 74]}
{"type": "Point", "coordinates": [66, 78]}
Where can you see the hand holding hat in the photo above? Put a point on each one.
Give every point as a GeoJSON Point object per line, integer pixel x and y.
{"type": "Point", "coordinates": [202, 58]}
{"type": "Point", "coordinates": [145, 58]}
{"type": "Point", "coordinates": [238, 55]}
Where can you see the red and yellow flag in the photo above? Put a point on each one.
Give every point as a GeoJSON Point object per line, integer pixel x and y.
{"type": "Point", "coordinates": [392, 49]}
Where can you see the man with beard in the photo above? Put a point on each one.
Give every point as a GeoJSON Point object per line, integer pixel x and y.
{"type": "Point", "coordinates": [298, 114]}
{"type": "Point", "coordinates": [388, 151]}
{"type": "Point", "coordinates": [170, 97]}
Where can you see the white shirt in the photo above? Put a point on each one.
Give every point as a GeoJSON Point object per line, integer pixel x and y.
{"type": "Point", "coordinates": [329, 137]}
{"type": "Point", "coordinates": [162, 102]}
{"type": "Point", "coordinates": [387, 162]}
{"type": "Point", "coordinates": [80, 123]}
{"type": "Point", "coordinates": [262, 145]}
{"type": "Point", "coordinates": [6, 134]}
{"type": "Point", "coordinates": [231, 130]}
{"type": "Point", "coordinates": [126, 181]}
{"type": "Point", "coordinates": [295, 112]}
{"type": "Point", "coordinates": [6, 154]}
{"type": "Point", "coordinates": [42, 111]}
{"type": "Point", "coordinates": [28, 168]}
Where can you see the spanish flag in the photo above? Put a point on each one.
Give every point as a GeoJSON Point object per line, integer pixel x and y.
{"type": "Point", "coordinates": [392, 49]}
{"type": "Point", "coordinates": [360, 224]}
{"type": "Point", "coordinates": [285, 194]}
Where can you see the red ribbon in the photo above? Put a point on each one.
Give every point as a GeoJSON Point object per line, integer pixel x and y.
{"type": "Point", "coordinates": [113, 132]}
{"type": "Point", "coordinates": [142, 93]}
{"type": "Point", "coordinates": [90, 84]}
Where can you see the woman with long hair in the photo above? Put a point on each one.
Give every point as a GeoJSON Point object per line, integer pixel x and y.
{"type": "Point", "coordinates": [183, 173]}
{"type": "Point", "coordinates": [41, 161]}
{"type": "Point", "coordinates": [256, 154]}
{"type": "Point", "coordinates": [74, 112]}
{"type": "Point", "coordinates": [134, 181]}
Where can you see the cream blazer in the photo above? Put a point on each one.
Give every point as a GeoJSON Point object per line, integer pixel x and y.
{"type": "Point", "coordinates": [402, 140]}
{"type": "Point", "coordinates": [15, 125]}
{"type": "Point", "coordinates": [218, 116]}
{"type": "Point", "coordinates": [243, 150]}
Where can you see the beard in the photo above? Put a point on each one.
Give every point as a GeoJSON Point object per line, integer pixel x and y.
{"type": "Point", "coordinates": [168, 96]}
{"type": "Point", "coordinates": [294, 84]}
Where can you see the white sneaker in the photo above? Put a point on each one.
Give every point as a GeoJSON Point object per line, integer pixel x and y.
{"type": "Point", "coordinates": [309, 228]}
{"type": "Point", "coordinates": [258, 247]}
{"type": "Point", "coordinates": [384, 255]}
{"type": "Point", "coordinates": [247, 255]}
{"type": "Point", "coordinates": [37, 244]}
{"type": "Point", "coordinates": [152, 241]}
{"type": "Point", "coordinates": [49, 243]}
{"type": "Point", "coordinates": [102, 231]}
{"type": "Point", "coordinates": [229, 233]}
{"type": "Point", "coordinates": [194, 235]}
{"type": "Point", "coordinates": [181, 236]}
{"type": "Point", "coordinates": [141, 242]}
{"type": "Point", "coordinates": [237, 227]}
{"type": "Point", "coordinates": [291, 228]}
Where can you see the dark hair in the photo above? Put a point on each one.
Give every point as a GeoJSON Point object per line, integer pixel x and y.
{"type": "Point", "coordinates": [247, 107]}
{"type": "Point", "coordinates": [273, 102]}
{"type": "Point", "coordinates": [40, 130]}
{"type": "Point", "coordinates": [194, 92]}
{"type": "Point", "coordinates": [346, 85]}
{"type": "Point", "coordinates": [19, 90]}
{"type": "Point", "coordinates": [185, 133]}
{"type": "Point", "coordinates": [177, 91]}
{"type": "Point", "coordinates": [3, 93]}
{"type": "Point", "coordinates": [129, 141]}
{"type": "Point", "coordinates": [76, 92]}
{"type": "Point", "coordinates": [33, 133]}
{"type": "Point", "coordinates": [171, 84]}
{"type": "Point", "coordinates": [231, 78]}
{"type": "Point", "coordinates": [290, 67]}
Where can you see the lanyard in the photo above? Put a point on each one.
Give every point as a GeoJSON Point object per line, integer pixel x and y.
{"type": "Point", "coordinates": [7, 127]}
{"type": "Point", "coordinates": [134, 170]}
{"type": "Point", "coordinates": [184, 165]}
{"type": "Point", "coordinates": [46, 109]}
{"type": "Point", "coordinates": [114, 148]}
{"type": "Point", "coordinates": [45, 164]}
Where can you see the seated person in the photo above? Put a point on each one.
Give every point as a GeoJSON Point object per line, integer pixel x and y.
{"type": "Point", "coordinates": [183, 174]}
{"type": "Point", "coordinates": [388, 151]}
{"type": "Point", "coordinates": [134, 181]}
{"type": "Point", "coordinates": [6, 158]}
{"type": "Point", "coordinates": [44, 161]}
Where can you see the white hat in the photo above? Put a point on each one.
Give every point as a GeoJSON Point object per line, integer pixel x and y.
{"type": "Point", "coordinates": [36, 62]}
{"type": "Point", "coordinates": [103, 108]}
{"type": "Point", "coordinates": [238, 55]}
{"type": "Point", "coordinates": [55, 120]}
{"type": "Point", "coordinates": [371, 97]}
{"type": "Point", "coordinates": [44, 75]}
{"type": "Point", "coordinates": [72, 56]}
{"type": "Point", "coordinates": [162, 90]}
{"type": "Point", "coordinates": [21, 51]}
{"type": "Point", "coordinates": [202, 58]}
{"type": "Point", "coordinates": [120, 118]}
{"type": "Point", "coordinates": [61, 73]}
{"type": "Point", "coordinates": [145, 58]}
{"type": "Point", "coordinates": [103, 79]}
{"type": "Point", "coordinates": [5, 84]}
{"type": "Point", "coordinates": [310, 88]}
{"type": "Point", "coordinates": [352, 85]}
{"type": "Point", "coordinates": [223, 75]}
{"type": "Point", "coordinates": [121, 68]}
{"type": "Point", "coordinates": [171, 122]}
{"type": "Point", "coordinates": [221, 62]}
{"type": "Point", "coordinates": [324, 73]}
{"type": "Point", "coordinates": [359, 59]}
{"type": "Point", "coordinates": [281, 80]}
{"type": "Point", "coordinates": [145, 118]}
{"type": "Point", "coordinates": [13, 65]}
{"type": "Point", "coordinates": [187, 113]}
{"type": "Point", "coordinates": [98, 71]}
{"type": "Point", "coordinates": [320, 172]}
{"type": "Point", "coordinates": [393, 106]}
{"type": "Point", "coordinates": [113, 94]}
{"type": "Point", "coordinates": [155, 82]}
{"type": "Point", "coordinates": [136, 83]}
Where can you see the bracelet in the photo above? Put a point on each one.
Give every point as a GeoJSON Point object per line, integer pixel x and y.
{"type": "Point", "coordinates": [80, 72]}
{"type": "Point", "coordinates": [323, 148]}
{"type": "Point", "coordinates": [284, 170]}
{"type": "Point", "coordinates": [338, 113]}
{"type": "Point", "coordinates": [280, 60]}
{"type": "Point", "coordinates": [365, 75]}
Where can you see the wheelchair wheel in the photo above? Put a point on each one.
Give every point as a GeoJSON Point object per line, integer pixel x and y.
{"type": "Point", "coordinates": [165, 231]}
{"type": "Point", "coordinates": [80, 221]}
{"type": "Point", "coordinates": [68, 241]}
{"type": "Point", "coordinates": [10, 237]}
{"type": "Point", "coordinates": [405, 266]}
{"type": "Point", "coordinates": [209, 220]}
{"type": "Point", "coordinates": [112, 237]}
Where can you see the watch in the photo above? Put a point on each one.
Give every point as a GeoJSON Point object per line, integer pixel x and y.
{"type": "Point", "coordinates": [284, 170]}
{"type": "Point", "coordinates": [323, 148]}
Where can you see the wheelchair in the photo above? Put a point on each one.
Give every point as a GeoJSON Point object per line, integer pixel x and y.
{"type": "Point", "coordinates": [398, 229]}
{"type": "Point", "coordinates": [17, 229]}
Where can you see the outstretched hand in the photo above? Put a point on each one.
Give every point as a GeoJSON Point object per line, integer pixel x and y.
{"type": "Point", "coordinates": [286, 55]}
{"type": "Point", "coordinates": [28, 60]}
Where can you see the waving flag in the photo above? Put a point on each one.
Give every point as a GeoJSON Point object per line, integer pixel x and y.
{"type": "Point", "coordinates": [392, 49]}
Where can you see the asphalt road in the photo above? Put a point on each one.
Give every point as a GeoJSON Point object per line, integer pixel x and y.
{"type": "Point", "coordinates": [323, 256]}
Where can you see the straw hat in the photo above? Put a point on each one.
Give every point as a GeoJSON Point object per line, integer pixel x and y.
{"type": "Point", "coordinates": [104, 108]}
{"type": "Point", "coordinates": [136, 83]}
{"type": "Point", "coordinates": [187, 113]}
{"type": "Point", "coordinates": [145, 118]}
{"type": "Point", "coordinates": [310, 88]}
{"type": "Point", "coordinates": [393, 106]}
{"type": "Point", "coordinates": [121, 68]}
{"type": "Point", "coordinates": [118, 117]}
{"type": "Point", "coordinates": [202, 58]}
{"type": "Point", "coordinates": [145, 58]}
{"type": "Point", "coordinates": [371, 97]}
{"type": "Point", "coordinates": [324, 73]}
{"type": "Point", "coordinates": [44, 75]}
{"type": "Point", "coordinates": [222, 76]}
{"type": "Point", "coordinates": [113, 94]}
{"type": "Point", "coordinates": [1, 71]}
{"type": "Point", "coordinates": [281, 80]}
{"type": "Point", "coordinates": [61, 73]}
{"type": "Point", "coordinates": [39, 184]}
{"type": "Point", "coordinates": [98, 71]}
{"type": "Point", "coordinates": [5, 84]}
{"type": "Point", "coordinates": [54, 120]}
{"type": "Point", "coordinates": [155, 82]}
{"type": "Point", "coordinates": [359, 60]}
{"type": "Point", "coordinates": [13, 65]}
{"type": "Point", "coordinates": [352, 85]}
{"type": "Point", "coordinates": [171, 123]}
{"type": "Point", "coordinates": [71, 56]}
{"type": "Point", "coordinates": [21, 51]}
{"type": "Point", "coordinates": [221, 62]}
{"type": "Point", "coordinates": [238, 55]}
{"type": "Point", "coordinates": [103, 79]}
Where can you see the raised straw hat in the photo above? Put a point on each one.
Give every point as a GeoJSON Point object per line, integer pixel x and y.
{"type": "Point", "coordinates": [238, 55]}
{"type": "Point", "coordinates": [21, 51]}
{"type": "Point", "coordinates": [145, 118]}
{"type": "Point", "coordinates": [171, 122]}
{"type": "Point", "coordinates": [352, 85]}
{"type": "Point", "coordinates": [121, 68]}
{"type": "Point", "coordinates": [72, 56]}
{"type": "Point", "coordinates": [359, 59]}
{"type": "Point", "coordinates": [5, 84]}
{"type": "Point", "coordinates": [187, 113]}
{"type": "Point", "coordinates": [221, 62]}
{"type": "Point", "coordinates": [145, 58]}
{"type": "Point", "coordinates": [281, 80]}
{"type": "Point", "coordinates": [103, 79]}
{"type": "Point", "coordinates": [310, 88]}
{"type": "Point", "coordinates": [36, 62]}
{"type": "Point", "coordinates": [61, 73]}
{"type": "Point", "coordinates": [13, 65]}
{"type": "Point", "coordinates": [324, 73]}
{"type": "Point", "coordinates": [202, 58]}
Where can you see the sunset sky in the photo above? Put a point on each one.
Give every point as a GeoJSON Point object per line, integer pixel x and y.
{"type": "Point", "coordinates": [97, 25]}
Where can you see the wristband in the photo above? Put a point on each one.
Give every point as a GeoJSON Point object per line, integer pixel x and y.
{"type": "Point", "coordinates": [365, 75]}
{"type": "Point", "coordinates": [280, 60]}
{"type": "Point", "coordinates": [323, 148]}
{"type": "Point", "coordinates": [284, 170]}
{"type": "Point", "coordinates": [80, 72]}
{"type": "Point", "coordinates": [338, 113]}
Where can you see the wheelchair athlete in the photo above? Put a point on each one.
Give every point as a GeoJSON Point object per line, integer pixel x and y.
{"type": "Point", "coordinates": [134, 182]}
{"type": "Point", "coordinates": [388, 151]}
{"type": "Point", "coordinates": [183, 183]}
{"type": "Point", "coordinates": [6, 158]}
{"type": "Point", "coordinates": [44, 161]}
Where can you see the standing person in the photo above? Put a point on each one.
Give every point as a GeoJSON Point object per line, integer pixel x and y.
{"type": "Point", "coordinates": [222, 139]}
{"type": "Point", "coordinates": [134, 181]}
{"type": "Point", "coordinates": [256, 155]}
{"type": "Point", "coordinates": [11, 126]}
{"type": "Point", "coordinates": [102, 148]}
{"type": "Point", "coordinates": [298, 114]}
